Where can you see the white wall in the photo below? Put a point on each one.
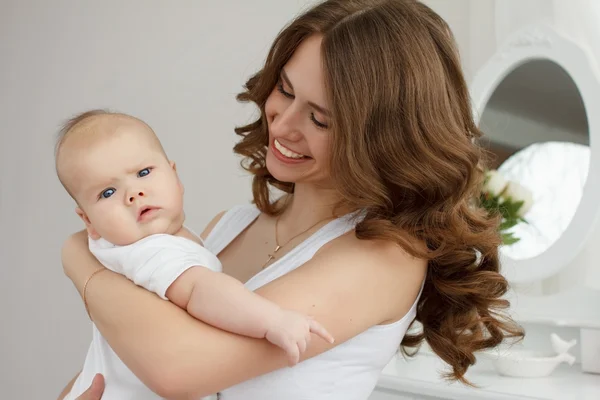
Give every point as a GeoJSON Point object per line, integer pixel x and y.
{"type": "Point", "coordinates": [175, 64]}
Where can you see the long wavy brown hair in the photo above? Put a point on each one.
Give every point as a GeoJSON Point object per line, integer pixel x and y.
{"type": "Point", "coordinates": [404, 150]}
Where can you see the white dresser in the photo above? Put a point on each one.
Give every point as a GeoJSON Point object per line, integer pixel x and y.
{"type": "Point", "coordinates": [418, 379]}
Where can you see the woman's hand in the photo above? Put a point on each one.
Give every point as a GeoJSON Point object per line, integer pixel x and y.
{"type": "Point", "coordinates": [78, 263]}
{"type": "Point", "coordinates": [95, 390]}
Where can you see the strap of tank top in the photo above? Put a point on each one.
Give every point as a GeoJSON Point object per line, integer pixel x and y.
{"type": "Point", "coordinates": [303, 252]}
{"type": "Point", "coordinates": [231, 224]}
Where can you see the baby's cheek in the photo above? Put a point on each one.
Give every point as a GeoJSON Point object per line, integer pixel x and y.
{"type": "Point", "coordinates": [176, 198]}
{"type": "Point", "coordinates": [119, 228]}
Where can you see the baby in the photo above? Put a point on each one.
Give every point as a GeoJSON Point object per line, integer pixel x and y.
{"type": "Point", "coordinates": [130, 198]}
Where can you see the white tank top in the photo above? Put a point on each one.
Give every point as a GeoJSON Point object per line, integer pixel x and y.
{"type": "Point", "coordinates": [348, 371]}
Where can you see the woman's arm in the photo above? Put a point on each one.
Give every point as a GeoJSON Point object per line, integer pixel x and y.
{"type": "Point", "coordinates": [349, 287]}
{"type": "Point", "coordinates": [68, 388]}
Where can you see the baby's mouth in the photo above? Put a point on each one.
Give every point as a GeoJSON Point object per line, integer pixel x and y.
{"type": "Point", "coordinates": [145, 211]}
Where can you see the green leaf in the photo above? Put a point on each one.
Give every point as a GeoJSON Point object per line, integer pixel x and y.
{"type": "Point", "coordinates": [515, 207]}
{"type": "Point", "coordinates": [508, 223]}
{"type": "Point", "coordinates": [509, 238]}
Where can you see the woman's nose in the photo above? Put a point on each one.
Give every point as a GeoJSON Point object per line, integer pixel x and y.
{"type": "Point", "coordinates": [286, 123]}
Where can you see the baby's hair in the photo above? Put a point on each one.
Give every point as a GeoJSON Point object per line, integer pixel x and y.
{"type": "Point", "coordinates": [70, 124]}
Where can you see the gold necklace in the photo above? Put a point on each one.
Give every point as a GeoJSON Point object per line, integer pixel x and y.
{"type": "Point", "coordinates": [278, 246]}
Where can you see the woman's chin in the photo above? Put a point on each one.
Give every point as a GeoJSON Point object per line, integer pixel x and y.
{"type": "Point", "coordinates": [281, 176]}
{"type": "Point", "coordinates": [292, 174]}
{"type": "Point", "coordinates": [280, 172]}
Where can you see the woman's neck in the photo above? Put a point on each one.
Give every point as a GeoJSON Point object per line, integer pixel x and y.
{"type": "Point", "coordinates": [308, 205]}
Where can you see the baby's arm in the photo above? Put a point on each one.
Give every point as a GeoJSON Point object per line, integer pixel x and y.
{"type": "Point", "coordinates": [224, 302]}
{"type": "Point", "coordinates": [182, 271]}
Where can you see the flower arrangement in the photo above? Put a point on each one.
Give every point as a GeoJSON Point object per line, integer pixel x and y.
{"type": "Point", "coordinates": [508, 198]}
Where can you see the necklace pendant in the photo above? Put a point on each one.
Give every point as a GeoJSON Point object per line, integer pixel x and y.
{"type": "Point", "coordinates": [276, 249]}
{"type": "Point", "coordinates": [271, 256]}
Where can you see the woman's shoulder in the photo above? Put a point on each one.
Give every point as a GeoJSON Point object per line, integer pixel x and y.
{"type": "Point", "coordinates": [395, 275]}
{"type": "Point", "coordinates": [379, 253]}
{"type": "Point", "coordinates": [240, 208]}
{"type": "Point", "coordinates": [213, 222]}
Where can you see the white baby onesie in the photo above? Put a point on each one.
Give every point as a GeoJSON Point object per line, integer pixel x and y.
{"type": "Point", "coordinates": [154, 263]}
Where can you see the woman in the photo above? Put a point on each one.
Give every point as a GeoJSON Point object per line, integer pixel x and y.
{"type": "Point", "coordinates": [366, 126]}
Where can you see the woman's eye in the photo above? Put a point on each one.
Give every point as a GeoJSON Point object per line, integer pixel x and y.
{"type": "Point", "coordinates": [144, 172]}
{"type": "Point", "coordinates": [107, 193]}
{"type": "Point", "coordinates": [281, 90]}
{"type": "Point", "coordinates": [317, 122]}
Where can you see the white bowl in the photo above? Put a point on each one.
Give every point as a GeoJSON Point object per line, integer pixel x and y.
{"type": "Point", "coordinates": [527, 363]}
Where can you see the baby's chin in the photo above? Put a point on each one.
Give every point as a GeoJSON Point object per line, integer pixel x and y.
{"type": "Point", "coordinates": [161, 226]}
{"type": "Point", "coordinates": [175, 226]}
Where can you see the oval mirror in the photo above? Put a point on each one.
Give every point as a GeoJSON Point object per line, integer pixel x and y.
{"type": "Point", "coordinates": [531, 102]}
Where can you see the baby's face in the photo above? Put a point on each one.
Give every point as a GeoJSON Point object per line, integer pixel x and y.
{"type": "Point", "coordinates": [126, 188]}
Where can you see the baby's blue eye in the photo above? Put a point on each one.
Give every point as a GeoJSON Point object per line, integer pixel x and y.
{"type": "Point", "coordinates": [144, 172]}
{"type": "Point", "coordinates": [107, 193]}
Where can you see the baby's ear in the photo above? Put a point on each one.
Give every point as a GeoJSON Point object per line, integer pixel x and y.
{"type": "Point", "coordinates": [173, 165]}
{"type": "Point", "coordinates": [88, 225]}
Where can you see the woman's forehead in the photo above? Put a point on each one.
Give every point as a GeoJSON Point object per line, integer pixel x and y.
{"type": "Point", "coordinates": [305, 71]}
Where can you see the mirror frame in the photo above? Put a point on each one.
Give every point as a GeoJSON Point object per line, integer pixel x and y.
{"type": "Point", "coordinates": [541, 42]}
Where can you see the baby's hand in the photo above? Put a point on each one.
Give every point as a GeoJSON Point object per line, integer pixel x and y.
{"type": "Point", "coordinates": [292, 332]}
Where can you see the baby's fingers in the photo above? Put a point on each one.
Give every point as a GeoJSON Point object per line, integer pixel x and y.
{"type": "Point", "coordinates": [291, 348]}
{"type": "Point", "coordinates": [318, 329]}
{"type": "Point", "coordinates": [302, 345]}
{"type": "Point", "coordinates": [307, 337]}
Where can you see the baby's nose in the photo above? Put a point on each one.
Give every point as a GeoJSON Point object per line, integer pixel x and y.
{"type": "Point", "coordinates": [134, 195]}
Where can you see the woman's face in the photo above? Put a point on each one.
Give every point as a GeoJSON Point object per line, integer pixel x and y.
{"type": "Point", "coordinates": [298, 119]}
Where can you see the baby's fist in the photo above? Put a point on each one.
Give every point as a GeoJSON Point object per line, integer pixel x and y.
{"type": "Point", "coordinates": [292, 332]}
